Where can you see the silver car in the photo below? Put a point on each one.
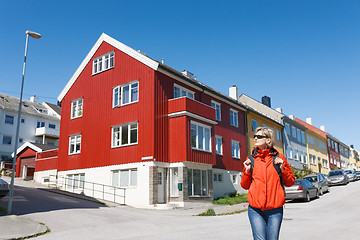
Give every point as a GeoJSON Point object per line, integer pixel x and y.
{"type": "Point", "coordinates": [338, 177]}
{"type": "Point", "coordinates": [302, 189]}
{"type": "Point", "coordinates": [319, 180]}
{"type": "Point", "coordinates": [351, 175]}
{"type": "Point", "coordinates": [4, 188]}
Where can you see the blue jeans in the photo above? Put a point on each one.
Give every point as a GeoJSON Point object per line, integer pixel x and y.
{"type": "Point", "coordinates": [265, 224]}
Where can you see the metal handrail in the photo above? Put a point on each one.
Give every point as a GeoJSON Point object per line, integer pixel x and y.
{"type": "Point", "coordinates": [91, 189]}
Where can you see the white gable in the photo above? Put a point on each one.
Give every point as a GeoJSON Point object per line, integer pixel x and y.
{"type": "Point", "coordinates": [122, 47]}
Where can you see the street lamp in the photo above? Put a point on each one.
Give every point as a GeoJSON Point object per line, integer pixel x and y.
{"type": "Point", "coordinates": [35, 36]}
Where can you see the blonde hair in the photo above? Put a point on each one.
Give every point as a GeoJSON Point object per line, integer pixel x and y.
{"type": "Point", "coordinates": [269, 133]}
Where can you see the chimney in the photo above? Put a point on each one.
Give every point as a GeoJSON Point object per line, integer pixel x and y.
{"type": "Point", "coordinates": [292, 117]}
{"type": "Point", "coordinates": [34, 99]}
{"type": "Point", "coordinates": [266, 101]}
{"type": "Point", "coordinates": [234, 92]}
{"type": "Point", "coordinates": [280, 110]}
{"type": "Point", "coordinates": [323, 128]}
{"type": "Point", "coordinates": [162, 61]}
{"type": "Point", "coordinates": [309, 121]}
{"type": "Point", "coordinates": [352, 146]}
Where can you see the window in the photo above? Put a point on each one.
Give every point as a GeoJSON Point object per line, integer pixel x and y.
{"type": "Point", "coordinates": [74, 144]}
{"type": "Point", "coordinates": [329, 143]}
{"type": "Point", "coordinates": [182, 92]}
{"type": "Point", "coordinates": [287, 128]}
{"type": "Point", "coordinates": [289, 153]}
{"type": "Point", "coordinates": [21, 140]}
{"type": "Point", "coordinates": [9, 119]}
{"type": "Point", "coordinates": [125, 135]}
{"type": "Point", "coordinates": [336, 148]}
{"type": "Point", "coordinates": [40, 124]}
{"type": "Point", "coordinates": [103, 63]}
{"type": "Point", "coordinates": [76, 108]}
{"type": "Point", "coordinates": [7, 140]}
{"type": "Point", "coordinates": [218, 145]}
{"type": "Point", "coordinates": [75, 181]}
{"type": "Point", "coordinates": [317, 142]}
{"type": "Point", "coordinates": [200, 137]}
{"type": "Point", "coordinates": [198, 182]}
{"type": "Point", "coordinates": [235, 149]}
{"type": "Point", "coordinates": [234, 121]}
{"type": "Point", "coordinates": [52, 126]}
{"type": "Point", "coordinates": [293, 131]}
{"type": "Point", "coordinates": [124, 178]}
{"type": "Point", "coordinates": [174, 181]}
{"type": "Point", "coordinates": [312, 140]}
{"type": "Point", "coordinates": [217, 108]}
{"type": "Point", "coordinates": [126, 94]}
{"type": "Point", "coordinates": [296, 154]}
{"type": "Point", "coordinates": [298, 135]}
{"type": "Point", "coordinates": [278, 135]}
{"type": "Point", "coordinates": [254, 125]}
{"type": "Point", "coordinates": [234, 178]}
{"type": "Point", "coordinates": [218, 177]}
{"type": "Point", "coordinates": [22, 120]}
{"type": "Point", "coordinates": [303, 137]}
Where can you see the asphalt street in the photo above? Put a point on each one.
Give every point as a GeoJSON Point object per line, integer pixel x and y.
{"type": "Point", "coordinates": [333, 216]}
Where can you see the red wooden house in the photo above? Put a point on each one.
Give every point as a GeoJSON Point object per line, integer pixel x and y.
{"type": "Point", "coordinates": [132, 122]}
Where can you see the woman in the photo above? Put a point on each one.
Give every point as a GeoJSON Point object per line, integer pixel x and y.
{"type": "Point", "coordinates": [266, 195]}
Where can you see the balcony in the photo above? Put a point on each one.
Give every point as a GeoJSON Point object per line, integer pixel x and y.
{"type": "Point", "coordinates": [186, 106]}
{"type": "Point", "coordinates": [47, 132]}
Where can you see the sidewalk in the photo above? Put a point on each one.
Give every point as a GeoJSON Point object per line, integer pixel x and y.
{"type": "Point", "coordinates": [16, 227]}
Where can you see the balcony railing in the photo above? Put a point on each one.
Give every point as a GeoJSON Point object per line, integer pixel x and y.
{"type": "Point", "coordinates": [48, 132]}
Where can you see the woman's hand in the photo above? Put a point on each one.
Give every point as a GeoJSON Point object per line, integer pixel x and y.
{"type": "Point", "coordinates": [280, 162]}
{"type": "Point", "coordinates": [247, 165]}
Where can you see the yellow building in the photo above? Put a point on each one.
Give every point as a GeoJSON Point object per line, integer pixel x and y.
{"type": "Point", "coordinates": [317, 155]}
{"type": "Point", "coordinates": [255, 120]}
{"type": "Point", "coordinates": [354, 159]}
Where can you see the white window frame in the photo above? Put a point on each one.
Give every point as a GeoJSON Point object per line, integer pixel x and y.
{"type": "Point", "coordinates": [217, 107]}
{"type": "Point", "coordinates": [189, 94]}
{"type": "Point", "coordinates": [74, 140]}
{"type": "Point", "coordinates": [101, 62]}
{"type": "Point", "coordinates": [198, 145]}
{"type": "Point", "coordinates": [234, 118]}
{"type": "Point", "coordinates": [77, 109]}
{"type": "Point", "coordinates": [118, 94]}
{"type": "Point", "coordinates": [116, 134]}
{"type": "Point", "coordinates": [76, 181]}
{"type": "Point", "coordinates": [218, 145]}
{"type": "Point", "coordinates": [202, 184]}
{"type": "Point", "coordinates": [130, 183]}
{"type": "Point", "coordinates": [235, 153]}
{"type": "Point", "coordinates": [218, 177]}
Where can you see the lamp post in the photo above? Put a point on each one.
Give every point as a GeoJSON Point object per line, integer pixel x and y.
{"type": "Point", "coordinates": [35, 36]}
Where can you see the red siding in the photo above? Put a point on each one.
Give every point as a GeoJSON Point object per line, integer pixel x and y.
{"type": "Point", "coordinates": [25, 157]}
{"type": "Point", "coordinates": [99, 115]}
{"type": "Point", "coordinates": [46, 160]}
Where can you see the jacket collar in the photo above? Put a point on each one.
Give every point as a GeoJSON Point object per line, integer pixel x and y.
{"type": "Point", "coordinates": [255, 152]}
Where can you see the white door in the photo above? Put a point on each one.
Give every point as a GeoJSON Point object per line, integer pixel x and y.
{"type": "Point", "coordinates": [161, 185]}
{"type": "Point", "coordinates": [24, 172]}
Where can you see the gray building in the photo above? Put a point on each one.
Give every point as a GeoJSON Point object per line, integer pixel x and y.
{"type": "Point", "coordinates": [39, 123]}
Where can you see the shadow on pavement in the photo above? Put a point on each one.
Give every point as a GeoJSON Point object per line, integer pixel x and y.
{"type": "Point", "coordinates": [28, 200]}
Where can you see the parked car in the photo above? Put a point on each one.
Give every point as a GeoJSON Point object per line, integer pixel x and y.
{"type": "Point", "coordinates": [319, 180]}
{"type": "Point", "coordinates": [351, 175]}
{"type": "Point", "coordinates": [337, 177]}
{"type": "Point", "coordinates": [357, 175]}
{"type": "Point", "coordinates": [4, 188]}
{"type": "Point", "coordinates": [302, 189]}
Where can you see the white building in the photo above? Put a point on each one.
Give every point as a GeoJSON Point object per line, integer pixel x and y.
{"type": "Point", "coordinates": [40, 123]}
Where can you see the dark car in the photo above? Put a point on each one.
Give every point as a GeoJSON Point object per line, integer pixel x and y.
{"type": "Point", "coordinates": [319, 180]}
{"type": "Point", "coordinates": [337, 177]}
{"type": "Point", "coordinates": [4, 188]}
{"type": "Point", "coordinates": [302, 189]}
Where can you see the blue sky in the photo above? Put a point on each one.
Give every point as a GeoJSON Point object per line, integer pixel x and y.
{"type": "Point", "coordinates": [303, 54]}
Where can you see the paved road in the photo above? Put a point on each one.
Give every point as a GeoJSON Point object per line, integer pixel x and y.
{"type": "Point", "coordinates": [334, 216]}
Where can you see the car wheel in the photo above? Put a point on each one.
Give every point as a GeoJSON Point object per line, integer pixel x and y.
{"type": "Point", "coordinates": [317, 194]}
{"type": "Point", "coordinates": [307, 197]}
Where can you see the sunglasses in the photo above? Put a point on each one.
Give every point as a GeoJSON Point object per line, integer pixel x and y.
{"type": "Point", "coordinates": [260, 136]}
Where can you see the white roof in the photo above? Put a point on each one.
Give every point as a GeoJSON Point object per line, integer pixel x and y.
{"type": "Point", "coordinates": [122, 47]}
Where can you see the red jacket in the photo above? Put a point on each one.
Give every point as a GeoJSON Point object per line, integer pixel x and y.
{"type": "Point", "coordinates": [265, 190]}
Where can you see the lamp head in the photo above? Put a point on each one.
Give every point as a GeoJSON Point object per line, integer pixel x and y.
{"type": "Point", "coordinates": [33, 34]}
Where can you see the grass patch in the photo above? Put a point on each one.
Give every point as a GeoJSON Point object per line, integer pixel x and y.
{"type": "Point", "coordinates": [236, 212]}
{"type": "Point", "coordinates": [209, 212]}
{"type": "Point", "coordinates": [231, 199]}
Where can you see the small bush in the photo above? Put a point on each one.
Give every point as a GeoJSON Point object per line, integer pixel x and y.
{"type": "Point", "coordinates": [228, 200]}
{"type": "Point", "coordinates": [209, 212]}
